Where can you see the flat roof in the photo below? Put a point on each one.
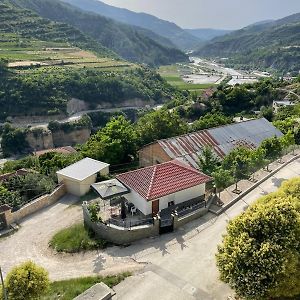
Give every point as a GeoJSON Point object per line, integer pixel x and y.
{"type": "Point", "coordinates": [83, 169]}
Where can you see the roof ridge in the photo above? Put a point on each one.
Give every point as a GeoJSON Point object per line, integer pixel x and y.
{"type": "Point", "coordinates": [152, 180]}
{"type": "Point", "coordinates": [184, 166]}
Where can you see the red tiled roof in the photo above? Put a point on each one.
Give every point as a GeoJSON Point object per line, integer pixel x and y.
{"type": "Point", "coordinates": [163, 179]}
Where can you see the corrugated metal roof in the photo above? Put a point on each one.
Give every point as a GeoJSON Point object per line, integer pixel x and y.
{"type": "Point", "coordinates": [222, 139]}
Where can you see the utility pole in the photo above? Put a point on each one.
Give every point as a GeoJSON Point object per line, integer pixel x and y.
{"type": "Point", "coordinates": [4, 289]}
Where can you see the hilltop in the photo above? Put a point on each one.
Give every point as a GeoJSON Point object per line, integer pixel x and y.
{"type": "Point", "coordinates": [269, 44]}
{"type": "Point", "coordinates": [178, 36]}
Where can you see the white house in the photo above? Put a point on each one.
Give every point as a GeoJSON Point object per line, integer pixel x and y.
{"type": "Point", "coordinates": [157, 187]}
{"type": "Point", "coordinates": [79, 177]}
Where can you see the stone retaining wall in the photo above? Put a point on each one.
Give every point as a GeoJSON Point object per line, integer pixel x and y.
{"type": "Point", "coordinates": [36, 205]}
{"type": "Point", "coordinates": [119, 235]}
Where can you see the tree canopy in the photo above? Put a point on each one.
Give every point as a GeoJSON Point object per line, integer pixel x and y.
{"type": "Point", "coordinates": [260, 254]}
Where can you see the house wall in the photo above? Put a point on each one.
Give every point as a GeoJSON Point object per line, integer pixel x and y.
{"type": "Point", "coordinates": [75, 187]}
{"type": "Point", "coordinates": [146, 206]}
{"type": "Point", "coordinates": [152, 154]}
{"type": "Point", "coordinates": [105, 171]}
{"type": "Point", "coordinates": [182, 196]}
{"type": "Point", "coordinates": [139, 202]}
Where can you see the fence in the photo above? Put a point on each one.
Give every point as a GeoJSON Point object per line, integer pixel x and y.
{"type": "Point", "coordinates": [188, 210]}
{"type": "Point", "coordinates": [130, 223]}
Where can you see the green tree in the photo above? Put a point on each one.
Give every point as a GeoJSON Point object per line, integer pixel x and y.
{"type": "Point", "coordinates": [259, 257]}
{"type": "Point", "coordinates": [211, 120]}
{"type": "Point", "coordinates": [208, 161]}
{"type": "Point", "coordinates": [272, 148]}
{"type": "Point", "coordinates": [256, 160]}
{"type": "Point", "coordinates": [158, 125]}
{"type": "Point", "coordinates": [27, 282]}
{"type": "Point", "coordinates": [222, 179]}
{"type": "Point", "coordinates": [115, 143]}
{"type": "Point", "coordinates": [238, 161]}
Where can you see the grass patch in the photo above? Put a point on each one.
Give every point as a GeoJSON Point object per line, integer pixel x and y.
{"type": "Point", "coordinates": [69, 289]}
{"type": "Point", "coordinates": [75, 239]}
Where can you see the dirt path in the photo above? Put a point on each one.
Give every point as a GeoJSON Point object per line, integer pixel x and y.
{"type": "Point", "coordinates": [31, 243]}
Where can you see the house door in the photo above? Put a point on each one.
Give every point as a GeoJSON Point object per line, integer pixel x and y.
{"type": "Point", "coordinates": [155, 207]}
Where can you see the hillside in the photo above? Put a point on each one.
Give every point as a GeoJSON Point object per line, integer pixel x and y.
{"type": "Point", "coordinates": [273, 44]}
{"type": "Point", "coordinates": [207, 34]}
{"type": "Point", "coordinates": [22, 28]}
{"type": "Point", "coordinates": [122, 39]}
{"type": "Point", "coordinates": [169, 30]}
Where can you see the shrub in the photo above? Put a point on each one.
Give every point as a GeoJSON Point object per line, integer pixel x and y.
{"type": "Point", "coordinates": [27, 282]}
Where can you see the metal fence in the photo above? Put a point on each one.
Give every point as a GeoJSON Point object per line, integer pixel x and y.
{"type": "Point", "coordinates": [130, 223]}
{"type": "Point", "coordinates": [187, 210]}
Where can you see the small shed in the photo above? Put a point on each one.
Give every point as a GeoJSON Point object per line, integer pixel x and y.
{"type": "Point", "coordinates": [79, 177]}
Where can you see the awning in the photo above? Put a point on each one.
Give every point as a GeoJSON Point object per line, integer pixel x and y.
{"type": "Point", "coordinates": [110, 189]}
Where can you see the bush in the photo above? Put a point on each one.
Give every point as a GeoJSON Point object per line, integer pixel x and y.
{"type": "Point", "coordinates": [260, 256]}
{"type": "Point", "coordinates": [75, 239]}
{"type": "Point", "coordinates": [27, 282]}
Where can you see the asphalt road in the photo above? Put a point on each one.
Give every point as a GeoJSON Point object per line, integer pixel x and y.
{"type": "Point", "coordinates": [181, 265]}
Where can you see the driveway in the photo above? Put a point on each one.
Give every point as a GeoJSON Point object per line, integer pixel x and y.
{"type": "Point", "coordinates": [31, 243]}
{"type": "Point", "coordinates": [180, 265]}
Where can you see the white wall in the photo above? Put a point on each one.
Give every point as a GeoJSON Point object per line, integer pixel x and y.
{"type": "Point", "coordinates": [182, 196]}
{"type": "Point", "coordinates": [139, 202]}
{"type": "Point", "coordinates": [146, 206]}
{"type": "Point", "coordinates": [75, 187]}
{"type": "Point", "coordinates": [105, 171]}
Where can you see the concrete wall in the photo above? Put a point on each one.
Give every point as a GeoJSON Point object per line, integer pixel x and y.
{"type": "Point", "coordinates": [36, 205]}
{"type": "Point", "coordinates": [182, 196]}
{"type": "Point", "coordinates": [178, 222]}
{"type": "Point", "coordinates": [152, 154]}
{"type": "Point", "coordinates": [75, 187]}
{"type": "Point", "coordinates": [120, 235]}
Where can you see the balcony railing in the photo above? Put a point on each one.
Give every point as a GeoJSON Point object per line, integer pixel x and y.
{"type": "Point", "coordinates": [130, 223]}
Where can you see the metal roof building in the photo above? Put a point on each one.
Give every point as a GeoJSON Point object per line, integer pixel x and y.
{"type": "Point", "coordinates": [222, 140]}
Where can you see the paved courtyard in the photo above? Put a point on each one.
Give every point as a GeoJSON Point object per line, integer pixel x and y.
{"type": "Point", "coordinates": [179, 265]}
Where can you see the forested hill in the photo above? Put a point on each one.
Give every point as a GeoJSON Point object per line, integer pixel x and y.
{"type": "Point", "coordinates": [169, 30]}
{"type": "Point", "coordinates": [122, 39]}
{"type": "Point", "coordinates": [21, 25]}
{"type": "Point", "coordinates": [274, 44]}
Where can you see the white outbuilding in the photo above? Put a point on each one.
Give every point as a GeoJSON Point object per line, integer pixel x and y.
{"type": "Point", "coordinates": [79, 177]}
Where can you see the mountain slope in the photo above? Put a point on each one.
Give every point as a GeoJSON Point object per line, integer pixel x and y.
{"type": "Point", "coordinates": [169, 30]}
{"type": "Point", "coordinates": [273, 44]}
{"type": "Point", "coordinates": [24, 25]}
{"type": "Point", "coordinates": [122, 39]}
{"type": "Point", "coordinates": [207, 34]}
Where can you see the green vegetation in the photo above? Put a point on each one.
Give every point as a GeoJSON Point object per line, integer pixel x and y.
{"type": "Point", "coordinates": [128, 42]}
{"type": "Point", "coordinates": [42, 92]}
{"type": "Point", "coordinates": [211, 120]}
{"type": "Point", "coordinates": [27, 281]}
{"type": "Point", "coordinates": [75, 239]}
{"type": "Point", "coordinates": [259, 257]}
{"type": "Point", "coordinates": [19, 190]}
{"type": "Point", "coordinates": [22, 28]}
{"type": "Point", "coordinates": [84, 122]}
{"type": "Point", "coordinates": [69, 289]}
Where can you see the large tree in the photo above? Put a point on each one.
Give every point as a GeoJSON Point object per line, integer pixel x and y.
{"type": "Point", "coordinates": [208, 160]}
{"type": "Point", "coordinates": [260, 254]}
{"type": "Point", "coordinates": [159, 124]}
{"type": "Point", "coordinates": [115, 143]}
